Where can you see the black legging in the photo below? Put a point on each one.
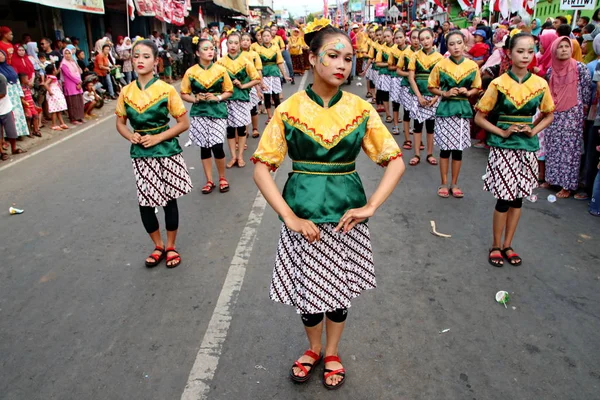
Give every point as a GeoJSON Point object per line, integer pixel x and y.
{"type": "Point", "coordinates": [241, 132]}
{"type": "Point", "coordinates": [395, 106]}
{"type": "Point", "coordinates": [268, 99]}
{"type": "Point", "coordinates": [171, 217]}
{"type": "Point", "coordinates": [429, 124]}
{"type": "Point", "coordinates": [381, 96]}
{"type": "Point", "coordinates": [456, 154]}
{"type": "Point", "coordinates": [216, 150]}
{"type": "Point", "coordinates": [406, 117]}
{"type": "Point", "coordinates": [339, 315]}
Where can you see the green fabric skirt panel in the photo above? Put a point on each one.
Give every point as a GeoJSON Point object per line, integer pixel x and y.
{"type": "Point", "coordinates": [422, 80]}
{"type": "Point", "coordinates": [240, 94]}
{"type": "Point", "coordinates": [516, 141]}
{"type": "Point", "coordinates": [457, 106]}
{"type": "Point", "coordinates": [271, 69]}
{"type": "Point", "coordinates": [208, 109]}
{"type": "Point", "coordinates": [505, 114]}
{"type": "Point", "coordinates": [152, 121]}
{"type": "Point", "coordinates": [322, 188]}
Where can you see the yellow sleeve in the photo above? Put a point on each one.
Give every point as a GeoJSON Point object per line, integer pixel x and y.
{"type": "Point", "coordinates": [176, 106]}
{"type": "Point", "coordinates": [391, 58]}
{"type": "Point", "coordinates": [227, 84]}
{"type": "Point", "coordinates": [379, 57]}
{"type": "Point", "coordinates": [257, 62]}
{"type": "Point", "coordinates": [412, 64]}
{"type": "Point", "coordinates": [279, 57]}
{"type": "Point", "coordinates": [272, 147]}
{"type": "Point", "coordinates": [251, 71]}
{"type": "Point", "coordinates": [378, 143]}
{"type": "Point", "coordinates": [489, 99]}
{"type": "Point", "coordinates": [371, 53]}
{"type": "Point", "coordinates": [547, 104]}
{"type": "Point", "coordinates": [186, 85]}
{"type": "Point", "coordinates": [434, 78]}
{"type": "Point", "coordinates": [120, 110]}
{"type": "Point", "coordinates": [400, 64]}
{"type": "Point", "coordinates": [477, 80]}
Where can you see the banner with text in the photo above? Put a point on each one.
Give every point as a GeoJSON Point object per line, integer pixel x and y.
{"type": "Point", "coordinates": [90, 6]}
{"type": "Point", "coordinates": [577, 4]}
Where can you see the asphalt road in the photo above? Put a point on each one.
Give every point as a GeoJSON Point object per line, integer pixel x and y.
{"type": "Point", "coordinates": [82, 318]}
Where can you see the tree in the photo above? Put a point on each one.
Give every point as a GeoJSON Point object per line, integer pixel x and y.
{"type": "Point", "coordinates": [291, 21]}
{"type": "Point", "coordinates": [310, 18]}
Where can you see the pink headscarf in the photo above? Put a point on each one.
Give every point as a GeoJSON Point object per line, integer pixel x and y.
{"type": "Point", "coordinates": [564, 77]}
{"type": "Point", "coordinates": [71, 65]}
{"type": "Point", "coordinates": [469, 39]}
{"type": "Point", "coordinates": [545, 60]}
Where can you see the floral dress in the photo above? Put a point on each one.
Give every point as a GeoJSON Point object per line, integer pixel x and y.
{"type": "Point", "coordinates": [56, 98]}
{"type": "Point", "coordinates": [15, 92]}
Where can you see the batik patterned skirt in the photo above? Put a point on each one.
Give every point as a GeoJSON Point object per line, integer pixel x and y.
{"type": "Point", "coordinates": [160, 179]}
{"type": "Point", "coordinates": [238, 113]}
{"type": "Point", "coordinates": [395, 90]}
{"type": "Point", "coordinates": [207, 131]}
{"type": "Point", "coordinates": [421, 113]}
{"type": "Point", "coordinates": [384, 83]}
{"type": "Point", "coordinates": [510, 174]}
{"type": "Point", "coordinates": [254, 99]}
{"type": "Point", "coordinates": [273, 84]}
{"type": "Point", "coordinates": [325, 275]}
{"type": "Point", "coordinates": [406, 98]}
{"type": "Point", "coordinates": [452, 133]}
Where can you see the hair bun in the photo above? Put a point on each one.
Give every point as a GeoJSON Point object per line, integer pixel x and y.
{"type": "Point", "coordinates": [313, 27]}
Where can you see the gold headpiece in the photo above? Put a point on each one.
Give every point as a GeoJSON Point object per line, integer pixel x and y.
{"type": "Point", "coordinates": [317, 25]}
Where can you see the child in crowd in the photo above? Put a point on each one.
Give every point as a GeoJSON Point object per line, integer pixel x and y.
{"type": "Point", "coordinates": [31, 110]}
{"type": "Point", "coordinates": [480, 50]}
{"type": "Point", "coordinates": [43, 60]}
{"type": "Point", "coordinates": [56, 99]}
{"type": "Point", "coordinates": [90, 98]}
{"type": "Point", "coordinates": [166, 63]}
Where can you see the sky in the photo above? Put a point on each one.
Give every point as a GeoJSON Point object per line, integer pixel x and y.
{"type": "Point", "coordinates": [298, 8]}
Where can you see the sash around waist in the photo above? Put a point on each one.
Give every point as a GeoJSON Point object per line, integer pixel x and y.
{"type": "Point", "coordinates": [152, 131]}
{"type": "Point", "coordinates": [515, 119]}
{"type": "Point", "coordinates": [323, 168]}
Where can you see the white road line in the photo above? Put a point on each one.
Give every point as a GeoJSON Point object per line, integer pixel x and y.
{"type": "Point", "coordinates": [207, 359]}
{"type": "Point", "coordinates": [87, 128]}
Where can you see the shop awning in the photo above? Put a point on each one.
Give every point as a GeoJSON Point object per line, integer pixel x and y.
{"type": "Point", "coordinates": [235, 5]}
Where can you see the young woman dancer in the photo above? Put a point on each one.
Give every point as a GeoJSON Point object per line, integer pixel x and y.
{"type": "Point", "coordinates": [273, 70]}
{"type": "Point", "coordinates": [256, 95]}
{"type": "Point", "coordinates": [206, 86]}
{"type": "Point", "coordinates": [367, 71]}
{"type": "Point", "coordinates": [161, 175]}
{"type": "Point", "coordinates": [407, 99]}
{"type": "Point", "coordinates": [374, 69]}
{"type": "Point", "coordinates": [323, 206]}
{"type": "Point", "coordinates": [396, 54]}
{"type": "Point", "coordinates": [506, 112]}
{"type": "Point", "coordinates": [384, 83]}
{"type": "Point", "coordinates": [244, 76]}
{"type": "Point", "coordinates": [454, 79]}
{"type": "Point", "coordinates": [423, 111]}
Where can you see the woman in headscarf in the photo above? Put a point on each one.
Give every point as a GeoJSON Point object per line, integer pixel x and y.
{"type": "Point", "coordinates": [15, 93]}
{"type": "Point", "coordinates": [498, 62]}
{"type": "Point", "coordinates": [469, 41]}
{"type": "Point", "coordinates": [32, 53]}
{"type": "Point", "coordinates": [72, 87]}
{"type": "Point", "coordinates": [6, 37]}
{"type": "Point", "coordinates": [544, 57]}
{"type": "Point", "coordinates": [21, 63]}
{"type": "Point", "coordinates": [563, 138]}
{"type": "Point", "coordinates": [124, 53]}
{"type": "Point", "coordinates": [536, 27]}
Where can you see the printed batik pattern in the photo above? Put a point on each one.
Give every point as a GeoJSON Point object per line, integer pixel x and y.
{"type": "Point", "coordinates": [238, 113]}
{"type": "Point", "coordinates": [324, 275]}
{"type": "Point", "coordinates": [510, 174]}
{"type": "Point", "coordinates": [452, 133]}
{"type": "Point", "coordinates": [207, 131]}
{"type": "Point", "coordinates": [160, 179]}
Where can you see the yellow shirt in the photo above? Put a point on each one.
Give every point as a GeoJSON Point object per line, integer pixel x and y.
{"type": "Point", "coordinates": [296, 43]}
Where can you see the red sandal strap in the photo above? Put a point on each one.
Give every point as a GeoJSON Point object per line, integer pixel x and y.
{"type": "Point", "coordinates": [302, 367]}
{"type": "Point", "coordinates": [159, 248]}
{"type": "Point", "coordinates": [312, 355]}
{"type": "Point", "coordinates": [332, 359]}
{"type": "Point", "coordinates": [497, 257]}
{"type": "Point", "coordinates": [329, 373]}
{"type": "Point", "coordinates": [156, 257]}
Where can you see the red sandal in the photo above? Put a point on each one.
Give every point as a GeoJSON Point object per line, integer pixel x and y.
{"type": "Point", "coordinates": [176, 257]}
{"type": "Point", "coordinates": [223, 185]}
{"type": "Point", "coordinates": [157, 257]}
{"type": "Point", "coordinates": [307, 373]}
{"type": "Point", "coordinates": [208, 188]}
{"type": "Point", "coordinates": [341, 372]}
